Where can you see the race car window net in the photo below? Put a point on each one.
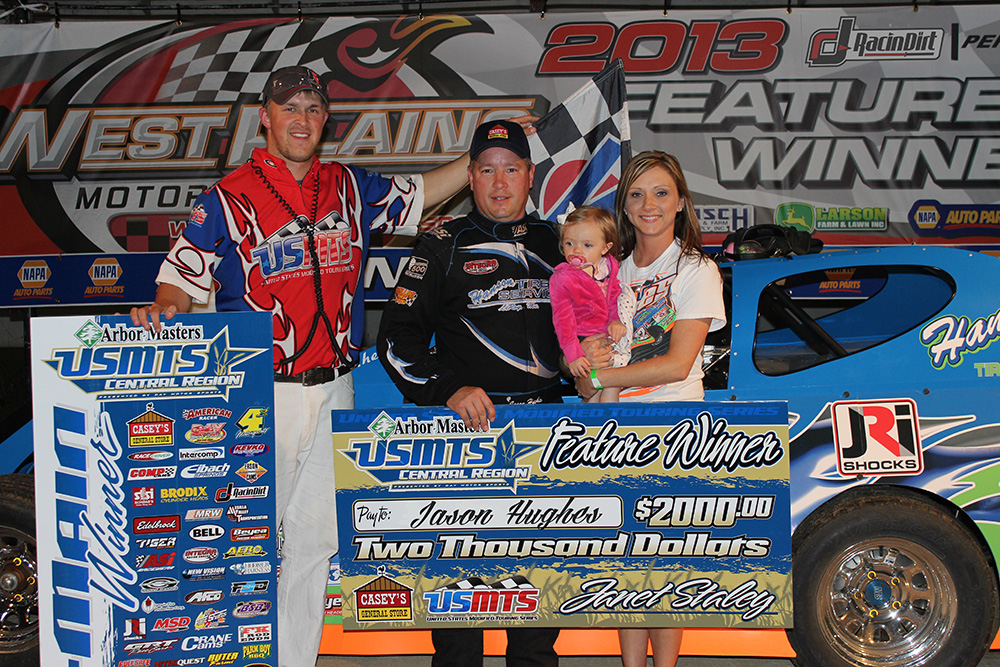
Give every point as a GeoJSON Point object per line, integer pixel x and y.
{"type": "Point", "coordinates": [807, 319]}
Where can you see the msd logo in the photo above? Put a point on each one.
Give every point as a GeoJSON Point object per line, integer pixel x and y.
{"type": "Point", "coordinates": [172, 624]}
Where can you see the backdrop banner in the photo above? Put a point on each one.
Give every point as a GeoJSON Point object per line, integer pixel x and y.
{"type": "Point", "coordinates": [861, 125]}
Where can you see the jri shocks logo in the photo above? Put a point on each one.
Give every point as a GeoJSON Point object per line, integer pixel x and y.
{"type": "Point", "coordinates": [832, 47]}
{"type": "Point", "coordinates": [877, 438]}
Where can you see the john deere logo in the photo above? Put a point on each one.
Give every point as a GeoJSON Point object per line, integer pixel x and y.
{"type": "Point", "coordinates": [795, 215]}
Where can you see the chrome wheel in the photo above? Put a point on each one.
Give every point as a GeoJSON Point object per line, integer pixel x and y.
{"type": "Point", "coordinates": [887, 602]}
{"type": "Point", "coordinates": [18, 590]}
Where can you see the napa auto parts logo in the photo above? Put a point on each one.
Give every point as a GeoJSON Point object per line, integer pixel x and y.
{"type": "Point", "coordinates": [438, 453]}
{"type": "Point", "coordinates": [831, 47]}
{"type": "Point", "coordinates": [929, 217]}
{"type": "Point", "coordinates": [120, 157]}
{"type": "Point", "coordinates": [126, 363]}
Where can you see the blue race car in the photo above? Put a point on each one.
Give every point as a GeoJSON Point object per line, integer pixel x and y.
{"type": "Point", "coordinates": [883, 357]}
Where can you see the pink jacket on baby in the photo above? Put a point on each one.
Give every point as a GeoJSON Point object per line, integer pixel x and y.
{"type": "Point", "coordinates": [580, 307]}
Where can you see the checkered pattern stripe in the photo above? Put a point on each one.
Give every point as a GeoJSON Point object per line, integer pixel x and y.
{"type": "Point", "coordinates": [150, 233]}
{"type": "Point", "coordinates": [507, 583]}
{"type": "Point", "coordinates": [234, 65]}
{"type": "Point", "coordinates": [590, 128]}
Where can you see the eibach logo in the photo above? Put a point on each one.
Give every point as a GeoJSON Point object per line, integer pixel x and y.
{"type": "Point", "coordinates": [877, 438]}
{"type": "Point", "coordinates": [832, 47]}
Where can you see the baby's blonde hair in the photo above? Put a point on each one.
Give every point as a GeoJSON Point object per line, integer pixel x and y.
{"type": "Point", "coordinates": [605, 222]}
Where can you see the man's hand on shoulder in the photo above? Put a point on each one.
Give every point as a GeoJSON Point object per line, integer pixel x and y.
{"type": "Point", "coordinates": [474, 407]}
{"type": "Point", "coordinates": [170, 300]}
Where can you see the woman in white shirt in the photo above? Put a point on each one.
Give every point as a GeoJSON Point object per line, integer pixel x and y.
{"type": "Point", "coordinates": [678, 293]}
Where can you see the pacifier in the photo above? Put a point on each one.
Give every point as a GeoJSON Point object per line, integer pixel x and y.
{"type": "Point", "coordinates": [577, 262]}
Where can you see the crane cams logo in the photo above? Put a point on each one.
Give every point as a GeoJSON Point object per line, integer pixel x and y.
{"type": "Point", "coordinates": [832, 47]}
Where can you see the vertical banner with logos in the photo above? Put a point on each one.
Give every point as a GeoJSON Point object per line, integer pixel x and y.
{"type": "Point", "coordinates": [156, 534]}
{"type": "Point", "coordinates": [603, 515]}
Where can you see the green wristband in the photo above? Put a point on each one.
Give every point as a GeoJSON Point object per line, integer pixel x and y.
{"type": "Point", "coordinates": [594, 380]}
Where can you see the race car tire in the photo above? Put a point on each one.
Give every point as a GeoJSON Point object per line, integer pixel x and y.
{"type": "Point", "coordinates": [881, 576]}
{"type": "Point", "coordinates": [18, 573]}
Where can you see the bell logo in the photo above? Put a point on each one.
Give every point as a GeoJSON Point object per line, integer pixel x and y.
{"type": "Point", "coordinates": [877, 438]}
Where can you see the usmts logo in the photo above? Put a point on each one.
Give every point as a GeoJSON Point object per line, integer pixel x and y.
{"type": "Point", "coordinates": [877, 438]}
{"type": "Point", "coordinates": [832, 47]}
{"type": "Point", "coordinates": [104, 273]}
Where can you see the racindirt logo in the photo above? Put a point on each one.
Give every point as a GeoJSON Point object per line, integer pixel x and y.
{"type": "Point", "coordinates": [438, 453]}
{"type": "Point", "coordinates": [125, 362]}
{"type": "Point", "coordinates": [831, 47]}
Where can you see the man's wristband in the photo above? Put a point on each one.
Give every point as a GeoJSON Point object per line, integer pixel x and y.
{"type": "Point", "coordinates": [594, 380]}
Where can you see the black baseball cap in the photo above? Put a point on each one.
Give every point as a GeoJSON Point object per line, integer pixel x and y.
{"type": "Point", "coordinates": [502, 133]}
{"type": "Point", "coordinates": [284, 83]}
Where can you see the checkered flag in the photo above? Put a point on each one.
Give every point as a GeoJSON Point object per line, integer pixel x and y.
{"type": "Point", "coordinates": [581, 147]}
{"type": "Point", "coordinates": [227, 66]}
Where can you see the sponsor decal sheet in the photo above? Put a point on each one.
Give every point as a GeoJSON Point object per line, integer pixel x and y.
{"type": "Point", "coordinates": [604, 515]}
{"type": "Point", "coordinates": [155, 509]}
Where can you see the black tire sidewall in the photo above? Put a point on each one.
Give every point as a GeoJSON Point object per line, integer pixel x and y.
{"type": "Point", "coordinates": [900, 519]}
{"type": "Point", "coordinates": [17, 511]}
